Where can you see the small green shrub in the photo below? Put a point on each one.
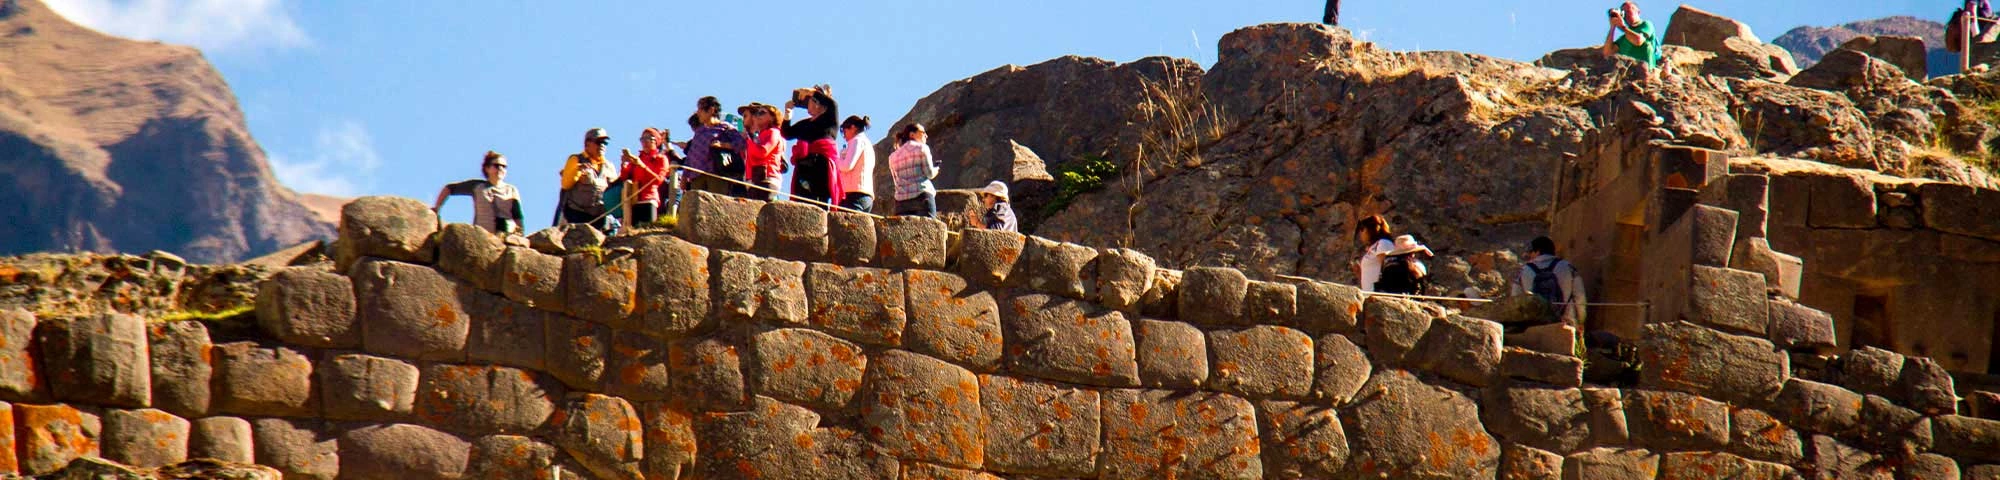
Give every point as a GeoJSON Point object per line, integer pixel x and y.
{"type": "Point", "coordinates": [1085, 175]}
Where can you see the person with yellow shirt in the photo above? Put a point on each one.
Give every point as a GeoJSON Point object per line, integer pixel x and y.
{"type": "Point", "coordinates": [585, 177]}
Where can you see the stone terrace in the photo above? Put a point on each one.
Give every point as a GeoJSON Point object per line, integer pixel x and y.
{"type": "Point", "coordinates": [780, 341]}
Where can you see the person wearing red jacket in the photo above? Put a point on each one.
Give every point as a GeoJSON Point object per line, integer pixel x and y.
{"type": "Point", "coordinates": [764, 154]}
{"type": "Point", "coordinates": [644, 175]}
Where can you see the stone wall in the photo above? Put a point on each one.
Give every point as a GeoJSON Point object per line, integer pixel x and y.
{"type": "Point", "coordinates": [779, 341]}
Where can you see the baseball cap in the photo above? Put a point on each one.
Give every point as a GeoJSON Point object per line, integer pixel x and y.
{"type": "Point", "coordinates": [595, 133]}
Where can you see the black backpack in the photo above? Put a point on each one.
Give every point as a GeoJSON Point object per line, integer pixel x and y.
{"type": "Point", "coordinates": [1546, 284]}
{"type": "Point", "coordinates": [1399, 275]}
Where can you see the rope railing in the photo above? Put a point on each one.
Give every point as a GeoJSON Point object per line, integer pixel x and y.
{"type": "Point", "coordinates": [1467, 299]}
{"type": "Point", "coordinates": [794, 198]}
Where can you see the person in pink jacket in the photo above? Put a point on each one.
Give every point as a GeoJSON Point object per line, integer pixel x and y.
{"type": "Point", "coordinates": [856, 165]}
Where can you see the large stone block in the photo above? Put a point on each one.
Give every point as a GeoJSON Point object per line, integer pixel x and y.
{"type": "Point", "coordinates": [1689, 358]}
{"type": "Point", "coordinates": [1841, 201]}
{"type": "Point", "coordinates": [9, 462]}
{"type": "Point", "coordinates": [1818, 407]}
{"type": "Point", "coordinates": [264, 380]}
{"type": "Point", "coordinates": [987, 257]}
{"type": "Point", "coordinates": [1393, 326]}
{"type": "Point", "coordinates": [850, 238]}
{"type": "Point", "coordinates": [1974, 439]}
{"type": "Point", "coordinates": [1262, 362]}
{"type": "Point", "coordinates": [1341, 368]}
{"type": "Point", "coordinates": [1798, 327]}
{"type": "Point", "coordinates": [1886, 427]}
{"type": "Point", "coordinates": [1300, 440]}
{"type": "Point", "coordinates": [20, 378]}
{"type": "Point", "coordinates": [49, 436]}
{"type": "Point", "coordinates": [1747, 194]}
{"type": "Point", "coordinates": [576, 351]}
{"type": "Point", "coordinates": [673, 286]}
{"type": "Point", "coordinates": [601, 432]}
{"type": "Point", "coordinates": [1123, 276]}
{"type": "Point", "coordinates": [1518, 462]}
{"type": "Point", "coordinates": [308, 307]}
{"type": "Point", "coordinates": [1727, 299]}
{"type": "Point", "coordinates": [708, 374]}
{"type": "Point", "coordinates": [1873, 371]}
{"type": "Point", "coordinates": [669, 438]}
{"type": "Point", "coordinates": [354, 386]}
{"type": "Point", "coordinates": [180, 354]}
{"type": "Point", "coordinates": [471, 254]}
{"type": "Point", "coordinates": [1830, 458]}
{"type": "Point", "coordinates": [1270, 303]}
{"type": "Point", "coordinates": [1782, 273]}
{"type": "Point", "coordinates": [911, 242]}
{"type": "Point", "coordinates": [1961, 209]}
{"type": "Point", "coordinates": [1982, 472]}
{"type": "Point", "coordinates": [1927, 387]}
{"type": "Point", "coordinates": [1052, 267]}
{"type": "Point", "coordinates": [144, 438]}
{"type": "Point", "coordinates": [1707, 465]}
{"type": "Point", "coordinates": [921, 471]}
{"type": "Point", "coordinates": [1328, 308]}
{"type": "Point", "coordinates": [1040, 428]}
{"type": "Point", "coordinates": [387, 227]}
{"type": "Point", "coordinates": [923, 409]}
{"type": "Point", "coordinates": [1163, 300]}
{"type": "Point", "coordinates": [409, 311]}
{"type": "Point", "coordinates": [510, 457]}
{"type": "Point", "coordinates": [402, 451]}
{"type": "Point", "coordinates": [1171, 354]}
{"type": "Point", "coordinates": [1760, 436]}
{"type": "Point", "coordinates": [1674, 421]}
{"type": "Point", "coordinates": [791, 230]}
{"type": "Point", "coordinates": [530, 277]}
{"type": "Point", "coordinates": [1607, 416]}
{"type": "Point", "coordinates": [1552, 369]}
{"type": "Point", "coordinates": [505, 333]}
{"type": "Point", "coordinates": [1068, 340]}
{"type": "Point", "coordinates": [806, 367]}
{"type": "Point", "coordinates": [638, 368]}
{"type": "Point", "coordinates": [857, 303]}
{"type": "Point", "coordinates": [483, 399]}
{"type": "Point", "coordinates": [1460, 348]}
{"type": "Point", "coordinates": [99, 360]}
{"type": "Point", "coordinates": [600, 288]}
{"type": "Point", "coordinates": [1705, 235]}
{"type": "Point", "coordinates": [1546, 418]}
{"type": "Point", "coordinates": [950, 320]}
{"type": "Point", "coordinates": [1212, 295]}
{"type": "Point", "coordinates": [1416, 429]}
{"type": "Point", "coordinates": [1928, 466]}
{"type": "Point", "coordinates": [1611, 463]}
{"type": "Point", "coordinates": [740, 444]}
{"type": "Point", "coordinates": [222, 438]}
{"type": "Point", "coordinates": [1142, 440]}
{"type": "Point", "coordinates": [297, 448]}
{"type": "Point", "coordinates": [719, 221]}
{"type": "Point", "coordinates": [749, 287]}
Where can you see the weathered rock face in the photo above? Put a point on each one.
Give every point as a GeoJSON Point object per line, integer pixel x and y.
{"type": "Point", "coordinates": [1808, 43]}
{"type": "Point", "coordinates": [141, 129]}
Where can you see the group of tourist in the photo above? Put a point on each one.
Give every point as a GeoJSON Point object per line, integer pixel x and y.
{"type": "Point", "coordinates": [740, 155]}
{"type": "Point", "coordinates": [1393, 263]}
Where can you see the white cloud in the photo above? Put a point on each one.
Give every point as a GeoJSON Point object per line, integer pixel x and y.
{"type": "Point", "coordinates": [212, 25]}
{"type": "Point", "coordinates": [342, 162]}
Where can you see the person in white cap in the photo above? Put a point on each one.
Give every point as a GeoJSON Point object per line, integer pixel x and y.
{"type": "Point", "coordinates": [999, 216]}
{"type": "Point", "coordinates": [585, 177]}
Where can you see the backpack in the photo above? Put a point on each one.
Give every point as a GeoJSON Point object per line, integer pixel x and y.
{"type": "Point", "coordinates": [1399, 275]}
{"type": "Point", "coordinates": [587, 195]}
{"type": "Point", "coordinates": [1547, 285]}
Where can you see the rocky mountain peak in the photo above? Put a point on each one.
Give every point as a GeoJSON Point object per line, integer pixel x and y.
{"type": "Point", "coordinates": [110, 144]}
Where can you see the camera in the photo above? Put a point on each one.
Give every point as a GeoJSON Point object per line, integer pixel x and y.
{"type": "Point", "coordinates": [1612, 12]}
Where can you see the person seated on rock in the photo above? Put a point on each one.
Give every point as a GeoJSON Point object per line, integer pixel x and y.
{"type": "Point", "coordinates": [913, 167]}
{"type": "Point", "coordinates": [999, 216]}
{"type": "Point", "coordinates": [496, 204]}
{"type": "Point", "coordinates": [643, 176]}
{"type": "Point", "coordinates": [1554, 280]}
{"type": "Point", "coordinates": [585, 178]}
{"type": "Point", "coordinates": [1376, 239]}
{"type": "Point", "coordinates": [856, 165]}
{"type": "Point", "coordinates": [1403, 270]}
{"type": "Point", "coordinates": [764, 152]}
{"type": "Point", "coordinates": [1632, 37]}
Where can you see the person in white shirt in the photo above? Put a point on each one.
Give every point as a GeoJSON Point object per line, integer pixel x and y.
{"type": "Point", "coordinates": [1553, 279]}
{"type": "Point", "coordinates": [1374, 235]}
{"type": "Point", "coordinates": [496, 204]}
{"type": "Point", "coordinates": [856, 165]}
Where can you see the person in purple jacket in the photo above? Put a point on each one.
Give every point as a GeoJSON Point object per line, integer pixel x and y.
{"type": "Point", "coordinates": [715, 148]}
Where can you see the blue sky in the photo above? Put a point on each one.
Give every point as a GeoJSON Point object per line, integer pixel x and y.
{"type": "Point", "coordinates": [399, 97]}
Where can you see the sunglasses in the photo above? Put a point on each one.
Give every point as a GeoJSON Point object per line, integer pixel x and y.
{"type": "Point", "coordinates": [497, 165]}
{"type": "Point", "coordinates": [603, 141]}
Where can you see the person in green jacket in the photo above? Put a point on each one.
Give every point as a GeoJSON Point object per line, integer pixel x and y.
{"type": "Point", "coordinates": [1632, 37]}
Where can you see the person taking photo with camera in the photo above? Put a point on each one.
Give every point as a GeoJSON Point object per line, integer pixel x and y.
{"type": "Point", "coordinates": [1632, 37]}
